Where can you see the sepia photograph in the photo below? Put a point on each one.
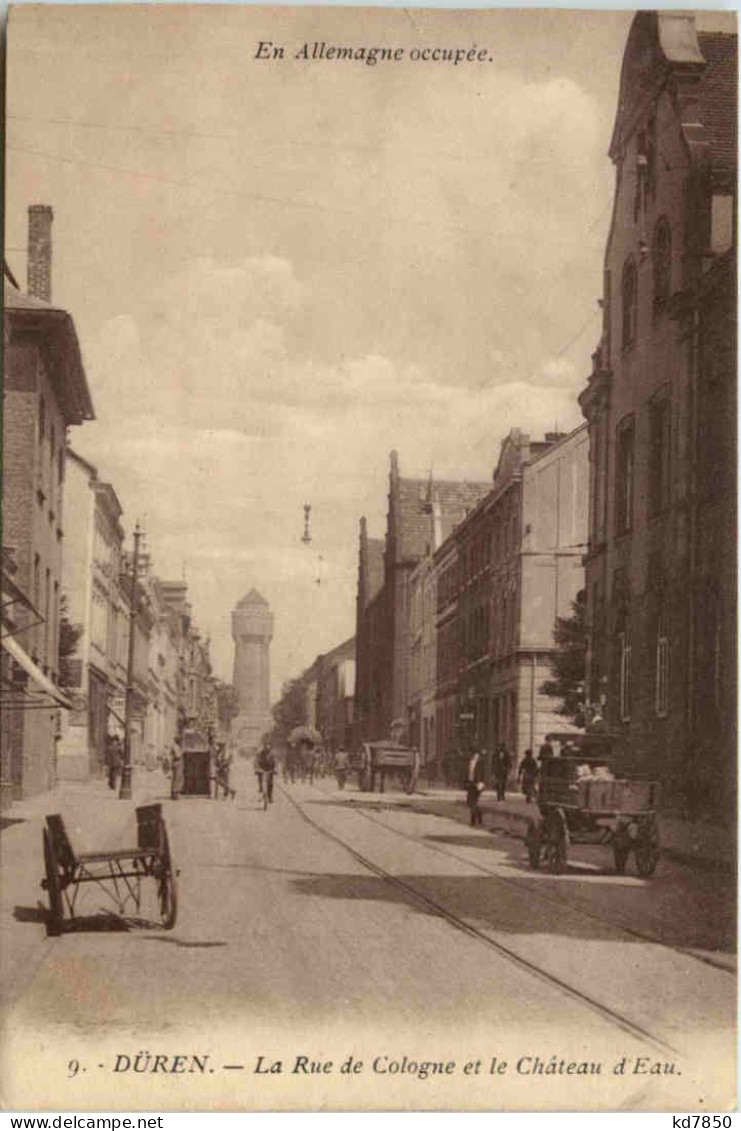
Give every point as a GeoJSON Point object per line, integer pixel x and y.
{"type": "Point", "coordinates": [369, 653]}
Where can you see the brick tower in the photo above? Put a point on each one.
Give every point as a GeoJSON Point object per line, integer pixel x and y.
{"type": "Point", "coordinates": [252, 631]}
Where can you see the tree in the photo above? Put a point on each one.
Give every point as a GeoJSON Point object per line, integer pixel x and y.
{"type": "Point", "coordinates": [291, 709]}
{"type": "Point", "coordinates": [69, 636]}
{"type": "Point", "coordinates": [227, 703]}
{"type": "Point", "coordinates": [568, 662]}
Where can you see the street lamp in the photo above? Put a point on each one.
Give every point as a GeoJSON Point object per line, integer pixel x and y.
{"type": "Point", "coordinates": [124, 792]}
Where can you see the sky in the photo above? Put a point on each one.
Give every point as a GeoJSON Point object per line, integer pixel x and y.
{"type": "Point", "coordinates": [280, 270]}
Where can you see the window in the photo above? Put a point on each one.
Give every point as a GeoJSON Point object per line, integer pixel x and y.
{"type": "Point", "coordinates": [47, 616]}
{"type": "Point", "coordinates": [624, 688]}
{"type": "Point", "coordinates": [650, 142]}
{"type": "Point", "coordinates": [659, 436]}
{"type": "Point", "coordinates": [630, 303]}
{"type": "Point", "coordinates": [662, 264]}
{"type": "Point", "coordinates": [55, 633]}
{"type": "Point", "coordinates": [36, 602]}
{"type": "Point", "coordinates": [624, 475]}
{"type": "Point", "coordinates": [662, 663]}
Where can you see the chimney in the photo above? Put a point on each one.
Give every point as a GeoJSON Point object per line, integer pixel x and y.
{"type": "Point", "coordinates": [40, 217]}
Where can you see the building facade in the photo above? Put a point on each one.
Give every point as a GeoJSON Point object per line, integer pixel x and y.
{"type": "Point", "coordinates": [518, 567]}
{"type": "Point", "coordinates": [336, 696]}
{"type": "Point", "coordinates": [45, 393]}
{"type": "Point", "coordinates": [423, 672]}
{"type": "Point", "coordinates": [421, 512]}
{"type": "Point", "coordinates": [661, 409]}
{"type": "Point", "coordinates": [96, 606]}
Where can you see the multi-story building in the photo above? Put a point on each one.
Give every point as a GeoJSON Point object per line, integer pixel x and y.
{"type": "Point", "coordinates": [448, 739]}
{"type": "Point", "coordinates": [161, 719]}
{"type": "Point", "coordinates": [423, 666]}
{"type": "Point", "coordinates": [421, 512]}
{"type": "Point", "coordinates": [370, 618]}
{"type": "Point", "coordinates": [661, 408]}
{"type": "Point", "coordinates": [24, 686]}
{"type": "Point", "coordinates": [45, 392]}
{"type": "Point", "coordinates": [518, 567]}
{"type": "Point", "coordinates": [96, 606]}
{"type": "Point", "coordinates": [142, 622]}
{"type": "Point", "coordinates": [336, 695]}
{"type": "Point", "coordinates": [322, 697]}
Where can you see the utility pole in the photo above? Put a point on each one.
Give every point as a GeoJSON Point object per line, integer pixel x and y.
{"type": "Point", "coordinates": [124, 792]}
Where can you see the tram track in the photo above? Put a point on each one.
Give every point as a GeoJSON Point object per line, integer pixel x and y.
{"type": "Point", "coordinates": [544, 897]}
{"type": "Point", "coordinates": [606, 1012]}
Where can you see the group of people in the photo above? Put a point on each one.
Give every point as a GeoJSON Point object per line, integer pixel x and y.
{"type": "Point", "coordinates": [528, 775]}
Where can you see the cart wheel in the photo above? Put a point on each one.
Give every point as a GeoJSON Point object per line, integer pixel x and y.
{"type": "Point", "coordinates": [56, 906]}
{"type": "Point", "coordinates": [647, 850]}
{"type": "Point", "coordinates": [557, 844]}
{"type": "Point", "coordinates": [167, 890]}
{"type": "Point", "coordinates": [532, 843]}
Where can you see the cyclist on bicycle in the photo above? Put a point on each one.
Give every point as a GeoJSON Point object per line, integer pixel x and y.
{"type": "Point", "coordinates": [265, 771]}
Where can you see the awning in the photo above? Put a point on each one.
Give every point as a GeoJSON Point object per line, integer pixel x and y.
{"type": "Point", "coordinates": [43, 683]}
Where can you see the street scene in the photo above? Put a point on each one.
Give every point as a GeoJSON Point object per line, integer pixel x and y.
{"type": "Point", "coordinates": [369, 561]}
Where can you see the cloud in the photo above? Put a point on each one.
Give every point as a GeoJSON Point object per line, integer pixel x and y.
{"type": "Point", "coordinates": [415, 297]}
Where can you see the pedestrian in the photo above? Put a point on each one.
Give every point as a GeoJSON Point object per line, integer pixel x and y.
{"type": "Point", "coordinates": [265, 770]}
{"type": "Point", "coordinates": [222, 772]}
{"type": "Point", "coordinates": [413, 777]}
{"type": "Point", "coordinates": [475, 787]}
{"type": "Point", "coordinates": [310, 759]}
{"type": "Point", "coordinates": [176, 770]}
{"type": "Point", "coordinates": [528, 775]}
{"type": "Point", "coordinates": [502, 766]}
{"type": "Point", "coordinates": [546, 750]}
{"type": "Point", "coordinates": [113, 758]}
{"type": "Point", "coordinates": [341, 760]}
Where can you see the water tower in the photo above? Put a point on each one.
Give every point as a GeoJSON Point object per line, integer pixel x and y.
{"type": "Point", "coordinates": [252, 630]}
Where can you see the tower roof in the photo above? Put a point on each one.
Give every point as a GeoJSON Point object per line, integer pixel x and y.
{"type": "Point", "coordinates": [252, 599]}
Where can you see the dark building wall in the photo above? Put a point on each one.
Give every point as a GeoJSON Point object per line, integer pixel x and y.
{"type": "Point", "coordinates": [665, 353]}
{"type": "Point", "coordinates": [32, 518]}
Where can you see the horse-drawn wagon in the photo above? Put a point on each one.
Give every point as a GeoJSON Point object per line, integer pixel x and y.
{"type": "Point", "coordinates": [378, 760]}
{"type": "Point", "coordinates": [583, 800]}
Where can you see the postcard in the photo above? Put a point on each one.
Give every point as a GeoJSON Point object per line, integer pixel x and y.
{"type": "Point", "coordinates": [369, 543]}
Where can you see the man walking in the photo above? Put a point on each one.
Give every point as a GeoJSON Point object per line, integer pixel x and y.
{"type": "Point", "coordinates": [474, 788]}
{"type": "Point", "coordinates": [503, 765]}
{"type": "Point", "coordinates": [341, 760]}
{"type": "Point", "coordinates": [528, 775]}
{"type": "Point", "coordinates": [265, 771]}
{"type": "Point", "coordinates": [113, 758]}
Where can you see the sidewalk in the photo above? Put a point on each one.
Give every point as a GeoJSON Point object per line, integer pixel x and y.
{"type": "Point", "coordinates": [700, 845]}
{"type": "Point", "coordinates": [95, 818]}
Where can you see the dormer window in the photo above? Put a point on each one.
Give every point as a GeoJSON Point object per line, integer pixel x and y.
{"type": "Point", "coordinates": [630, 303]}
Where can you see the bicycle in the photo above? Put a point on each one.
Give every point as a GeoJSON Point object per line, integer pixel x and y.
{"type": "Point", "coordinates": [264, 789]}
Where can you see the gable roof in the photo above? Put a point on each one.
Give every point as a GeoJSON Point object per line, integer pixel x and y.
{"type": "Point", "coordinates": [420, 503]}
{"type": "Point", "coordinates": [57, 331]}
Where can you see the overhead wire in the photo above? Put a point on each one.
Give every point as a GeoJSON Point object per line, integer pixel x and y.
{"type": "Point", "coordinates": [243, 194]}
